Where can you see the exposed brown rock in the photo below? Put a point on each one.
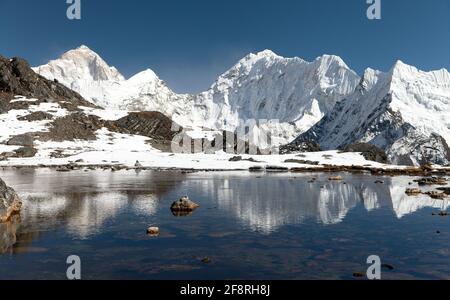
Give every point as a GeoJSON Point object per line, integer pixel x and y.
{"type": "Point", "coordinates": [17, 78]}
{"type": "Point", "coordinates": [184, 205]}
{"type": "Point", "coordinates": [6, 155]}
{"type": "Point", "coordinates": [432, 181]}
{"type": "Point", "coordinates": [10, 204]}
{"type": "Point", "coordinates": [36, 116]}
{"type": "Point", "coordinates": [25, 152]}
{"type": "Point", "coordinates": [154, 125]}
{"type": "Point", "coordinates": [370, 152]}
{"type": "Point", "coordinates": [446, 190]}
{"type": "Point", "coordinates": [336, 178]}
{"type": "Point", "coordinates": [413, 191]}
{"type": "Point", "coordinates": [296, 147]}
{"type": "Point", "coordinates": [153, 231]}
{"type": "Point", "coordinates": [76, 126]}
{"type": "Point", "coordinates": [25, 140]}
{"type": "Point", "coordinates": [303, 162]}
{"type": "Point", "coordinates": [276, 169]}
{"type": "Point", "coordinates": [436, 195]}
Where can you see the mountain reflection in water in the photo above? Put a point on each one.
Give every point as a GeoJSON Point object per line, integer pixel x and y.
{"type": "Point", "coordinates": [266, 205]}
{"type": "Point", "coordinates": [82, 203]}
{"type": "Point", "coordinates": [252, 226]}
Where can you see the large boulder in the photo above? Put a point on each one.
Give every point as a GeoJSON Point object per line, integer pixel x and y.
{"type": "Point", "coordinates": [184, 205]}
{"type": "Point", "coordinates": [10, 204]}
{"type": "Point", "coordinates": [25, 152]}
{"type": "Point", "coordinates": [370, 152]}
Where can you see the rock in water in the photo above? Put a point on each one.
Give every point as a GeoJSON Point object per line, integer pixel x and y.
{"type": "Point", "coordinates": [8, 201]}
{"type": "Point", "coordinates": [184, 205]}
{"type": "Point", "coordinates": [436, 195]}
{"type": "Point", "coordinates": [153, 231]}
{"type": "Point", "coordinates": [413, 191]}
{"type": "Point", "coordinates": [446, 190]}
{"type": "Point", "coordinates": [432, 181]}
{"type": "Point", "coordinates": [206, 260]}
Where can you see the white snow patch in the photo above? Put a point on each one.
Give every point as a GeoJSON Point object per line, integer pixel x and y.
{"type": "Point", "coordinates": [19, 98]}
{"type": "Point", "coordinates": [108, 115]}
{"type": "Point", "coordinates": [10, 125]}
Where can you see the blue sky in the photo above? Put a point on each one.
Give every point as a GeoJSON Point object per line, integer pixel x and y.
{"type": "Point", "coordinates": [188, 43]}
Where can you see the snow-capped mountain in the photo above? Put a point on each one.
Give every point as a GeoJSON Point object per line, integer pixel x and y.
{"type": "Point", "coordinates": [262, 86]}
{"type": "Point", "coordinates": [79, 66]}
{"type": "Point", "coordinates": [404, 111]}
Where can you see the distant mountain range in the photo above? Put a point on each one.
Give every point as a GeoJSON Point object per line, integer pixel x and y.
{"type": "Point", "coordinates": [405, 111]}
{"type": "Point", "coordinates": [262, 86]}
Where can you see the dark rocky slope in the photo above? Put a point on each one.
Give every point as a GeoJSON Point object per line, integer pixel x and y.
{"type": "Point", "coordinates": [17, 78]}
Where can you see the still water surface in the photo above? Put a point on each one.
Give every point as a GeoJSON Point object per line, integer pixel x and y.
{"type": "Point", "coordinates": [251, 226]}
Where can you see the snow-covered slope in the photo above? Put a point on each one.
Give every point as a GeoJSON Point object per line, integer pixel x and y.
{"type": "Point", "coordinates": [404, 111]}
{"type": "Point", "coordinates": [260, 86]}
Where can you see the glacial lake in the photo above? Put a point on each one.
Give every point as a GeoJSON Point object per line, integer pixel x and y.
{"type": "Point", "coordinates": [248, 226]}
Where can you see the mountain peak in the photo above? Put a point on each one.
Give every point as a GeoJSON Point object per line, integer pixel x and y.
{"type": "Point", "coordinates": [145, 76]}
{"type": "Point", "coordinates": [84, 47]}
{"type": "Point", "coordinates": [267, 54]}
{"type": "Point", "coordinates": [400, 66]}
{"type": "Point", "coordinates": [81, 51]}
{"type": "Point", "coordinates": [329, 60]}
{"type": "Point", "coordinates": [80, 63]}
{"type": "Point", "coordinates": [369, 78]}
{"type": "Point", "coordinates": [403, 73]}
